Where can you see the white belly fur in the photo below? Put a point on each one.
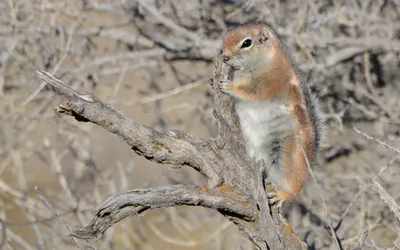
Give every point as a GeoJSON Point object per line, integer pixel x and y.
{"type": "Point", "coordinates": [263, 123]}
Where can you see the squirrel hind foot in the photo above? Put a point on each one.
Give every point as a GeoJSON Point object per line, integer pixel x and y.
{"type": "Point", "coordinates": [273, 199]}
{"type": "Point", "coordinates": [277, 198]}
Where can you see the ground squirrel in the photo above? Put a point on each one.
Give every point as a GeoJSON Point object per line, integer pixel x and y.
{"type": "Point", "coordinates": [279, 117]}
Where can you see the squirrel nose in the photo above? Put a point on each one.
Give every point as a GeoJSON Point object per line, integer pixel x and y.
{"type": "Point", "coordinates": [225, 58]}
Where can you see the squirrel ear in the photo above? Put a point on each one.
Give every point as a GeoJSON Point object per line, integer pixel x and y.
{"type": "Point", "coordinates": [264, 35]}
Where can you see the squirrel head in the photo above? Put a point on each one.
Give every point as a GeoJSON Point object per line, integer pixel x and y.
{"type": "Point", "coordinates": [249, 48]}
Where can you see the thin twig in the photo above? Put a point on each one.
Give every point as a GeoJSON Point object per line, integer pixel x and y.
{"type": "Point", "coordinates": [381, 143]}
{"type": "Point", "coordinates": [387, 198]}
{"type": "Point", "coordinates": [54, 212]}
{"type": "Point", "coordinates": [365, 187]}
{"type": "Point", "coordinates": [333, 232]}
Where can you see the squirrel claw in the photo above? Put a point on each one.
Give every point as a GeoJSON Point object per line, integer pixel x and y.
{"type": "Point", "coordinates": [273, 198]}
{"type": "Point", "coordinates": [225, 86]}
{"type": "Point", "coordinates": [274, 201]}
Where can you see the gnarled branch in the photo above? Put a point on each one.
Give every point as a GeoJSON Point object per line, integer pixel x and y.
{"type": "Point", "coordinates": [118, 207]}
{"type": "Point", "coordinates": [177, 148]}
{"type": "Point", "coordinates": [223, 160]}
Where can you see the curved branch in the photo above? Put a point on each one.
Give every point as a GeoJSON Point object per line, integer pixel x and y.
{"type": "Point", "coordinates": [119, 206]}
{"type": "Point", "coordinates": [221, 159]}
{"type": "Point", "coordinates": [176, 147]}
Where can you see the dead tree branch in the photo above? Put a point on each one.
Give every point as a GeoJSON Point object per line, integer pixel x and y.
{"type": "Point", "coordinates": [169, 148]}
{"type": "Point", "coordinates": [118, 207]}
{"type": "Point", "coordinates": [222, 160]}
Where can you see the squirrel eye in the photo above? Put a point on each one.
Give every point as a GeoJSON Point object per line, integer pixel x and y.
{"type": "Point", "coordinates": [247, 43]}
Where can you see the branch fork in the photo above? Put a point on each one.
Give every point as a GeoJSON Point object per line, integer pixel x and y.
{"type": "Point", "coordinates": [235, 184]}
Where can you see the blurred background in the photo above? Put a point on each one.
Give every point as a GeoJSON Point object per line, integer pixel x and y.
{"type": "Point", "coordinates": [152, 59]}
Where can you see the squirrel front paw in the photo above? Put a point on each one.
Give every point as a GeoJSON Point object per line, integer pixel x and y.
{"type": "Point", "coordinates": [226, 87]}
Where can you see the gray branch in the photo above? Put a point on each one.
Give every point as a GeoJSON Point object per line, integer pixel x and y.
{"type": "Point", "coordinates": [235, 182]}
{"type": "Point", "coordinates": [118, 207]}
{"type": "Point", "coordinates": [176, 148]}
